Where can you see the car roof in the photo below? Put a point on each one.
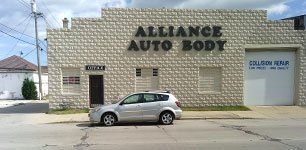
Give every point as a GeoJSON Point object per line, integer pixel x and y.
{"type": "Point", "coordinates": [154, 92]}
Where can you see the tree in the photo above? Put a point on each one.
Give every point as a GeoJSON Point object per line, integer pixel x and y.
{"type": "Point", "coordinates": [29, 89]}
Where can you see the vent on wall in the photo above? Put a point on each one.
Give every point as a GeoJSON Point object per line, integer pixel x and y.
{"type": "Point", "coordinates": [146, 79]}
{"type": "Point", "coordinates": [210, 80]}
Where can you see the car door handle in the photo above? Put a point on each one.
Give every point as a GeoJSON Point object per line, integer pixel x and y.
{"type": "Point", "coordinates": [138, 106]}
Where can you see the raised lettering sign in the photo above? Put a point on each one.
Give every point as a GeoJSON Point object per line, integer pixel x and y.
{"type": "Point", "coordinates": [152, 32]}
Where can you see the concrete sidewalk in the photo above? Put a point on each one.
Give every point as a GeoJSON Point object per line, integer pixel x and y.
{"type": "Point", "coordinates": [257, 112]}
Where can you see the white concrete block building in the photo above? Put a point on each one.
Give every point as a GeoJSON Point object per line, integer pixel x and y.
{"type": "Point", "coordinates": [204, 57]}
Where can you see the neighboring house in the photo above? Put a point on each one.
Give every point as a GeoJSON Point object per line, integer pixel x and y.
{"type": "Point", "coordinates": [299, 22]}
{"type": "Point", "coordinates": [13, 71]}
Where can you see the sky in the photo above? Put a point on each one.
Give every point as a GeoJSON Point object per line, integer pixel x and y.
{"type": "Point", "coordinates": [17, 22]}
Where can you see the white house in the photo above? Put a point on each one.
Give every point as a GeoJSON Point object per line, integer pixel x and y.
{"type": "Point", "coordinates": [13, 71]}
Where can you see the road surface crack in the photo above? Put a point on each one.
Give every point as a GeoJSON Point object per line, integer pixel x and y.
{"type": "Point", "coordinates": [168, 134]}
{"type": "Point", "coordinates": [83, 139]}
{"type": "Point", "coordinates": [264, 137]}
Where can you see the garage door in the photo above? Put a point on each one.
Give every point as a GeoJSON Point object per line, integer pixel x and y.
{"type": "Point", "coordinates": [269, 78]}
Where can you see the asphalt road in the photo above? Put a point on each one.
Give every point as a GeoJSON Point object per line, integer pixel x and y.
{"type": "Point", "coordinates": [16, 132]}
{"type": "Point", "coordinates": [26, 108]}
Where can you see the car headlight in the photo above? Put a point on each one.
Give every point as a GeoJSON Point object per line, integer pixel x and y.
{"type": "Point", "coordinates": [96, 109]}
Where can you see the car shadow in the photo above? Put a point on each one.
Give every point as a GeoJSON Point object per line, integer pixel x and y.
{"type": "Point", "coordinates": [88, 124]}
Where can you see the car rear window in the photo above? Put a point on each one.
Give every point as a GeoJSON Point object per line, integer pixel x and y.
{"type": "Point", "coordinates": [161, 97]}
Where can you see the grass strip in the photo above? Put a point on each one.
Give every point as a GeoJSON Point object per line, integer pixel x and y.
{"type": "Point", "coordinates": [67, 111]}
{"type": "Point", "coordinates": [217, 108]}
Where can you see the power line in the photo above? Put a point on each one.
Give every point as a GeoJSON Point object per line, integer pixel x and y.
{"type": "Point", "coordinates": [16, 25]}
{"type": "Point", "coordinates": [13, 48]}
{"type": "Point", "coordinates": [50, 13]}
{"type": "Point", "coordinates": [16, 37]}
{"type": "Point", "coordinates": [11, 29]}
{"type": "Point", "coordinates": [46, 21]}
{"type": "Point", "coordinates": [28, 53]}
{"type": "Point", "coordinates": [24, 3]}
{"type": "Point", "coordinates": [33, 50]}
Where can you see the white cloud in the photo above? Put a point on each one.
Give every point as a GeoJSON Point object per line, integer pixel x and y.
{"type": "Point", "coordinates": [278, 9]}
{"type": "Point", "coordinates": [206, 4]}
{"type": "Point", "coordinates": [55, 10]}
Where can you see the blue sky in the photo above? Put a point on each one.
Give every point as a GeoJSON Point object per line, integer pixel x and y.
{"type": "Point", "coordinates": [16, 19]}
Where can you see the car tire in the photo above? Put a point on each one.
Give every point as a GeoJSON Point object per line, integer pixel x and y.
{"type": "Point", "coordinates": [108, 119]}
{"type": "Point", "coordinates": [166, 118]}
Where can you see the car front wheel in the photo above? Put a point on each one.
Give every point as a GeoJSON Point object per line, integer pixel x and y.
{"type": "Point", "coordinates": [166, 118]}
{"type": "Point", "coordinates": [108, 119]}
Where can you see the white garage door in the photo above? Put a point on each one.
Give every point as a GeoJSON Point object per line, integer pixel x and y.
{"type": "Point", "coordinates": [269, 78]}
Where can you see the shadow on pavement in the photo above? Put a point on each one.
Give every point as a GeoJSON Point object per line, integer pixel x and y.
{"type": "Point", "coordinates": [26, 108]}
{"type": "Point", "coordinates": [118, 124]}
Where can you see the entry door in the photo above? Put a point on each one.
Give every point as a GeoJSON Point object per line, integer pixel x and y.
{"type": "Point", "coordinates": [269, 78]}
{"type": "Point", "coordinates": [96, 90]}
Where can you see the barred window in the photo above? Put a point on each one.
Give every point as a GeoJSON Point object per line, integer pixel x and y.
{"type": "Point", "coordinates": [71, 81]}
{"type": "Point", "coordinates": [155, 72]}
{"type": "Point", "coordinates": [138, 72]}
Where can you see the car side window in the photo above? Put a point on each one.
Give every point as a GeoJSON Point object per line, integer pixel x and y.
{"type": "Point", "coordinates": [161, 97]}
{"type": "Point", "coordinates": [132, 99]}
{"type": "Point", "coordinates": [149, 97]}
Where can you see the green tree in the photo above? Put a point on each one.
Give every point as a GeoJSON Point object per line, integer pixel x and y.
{"type": "Point", "coordinates": [29, 89]}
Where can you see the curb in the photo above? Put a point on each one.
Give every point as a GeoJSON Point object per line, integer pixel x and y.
{"type": "Point", "coordinates": [208, 118]}
{"type": "Point", "coordinates": [185, 118]}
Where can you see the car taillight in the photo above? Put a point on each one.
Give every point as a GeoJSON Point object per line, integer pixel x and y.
{"type": "Point", "coordinates": [178, 103]}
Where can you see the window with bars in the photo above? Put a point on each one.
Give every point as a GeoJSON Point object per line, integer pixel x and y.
{"type": "Point", "coordinates": [146, 79]}
{"type": "Point", "coordinates": [155, 72]}
{"type": "Point", "coordinates": [71, 81]}
{"type": "Point", "coordinates": [138, 72]}
{"type": "Point", "coordinates": [210, 80]}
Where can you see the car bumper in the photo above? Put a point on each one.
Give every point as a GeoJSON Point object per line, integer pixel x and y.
{"type": "Point", "coordinates": [94, 117]}
{"type": "Point", "coordinates": [178, 114]}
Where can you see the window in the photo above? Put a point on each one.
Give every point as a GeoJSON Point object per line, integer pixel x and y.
{"type": "Point", "coordinates": [138, 72]}
{"type": "Point", "coordinates": [146, 79]}
{"type": "Point", "coordinates": [210, 80]}
{"type": "Point", "coordinates": [149, 97]}
{"type": "Point", "coordinates": [132, 99]}
{"type": "Point", "coordinates": [71, 81]}
{"type": "Point", "coordinates": [155, 72]}
{"type": "Point", "coordinates": [161, 97]}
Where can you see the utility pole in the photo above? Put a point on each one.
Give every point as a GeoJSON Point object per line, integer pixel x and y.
{"type": "Point", "coordinates": [36, 15]}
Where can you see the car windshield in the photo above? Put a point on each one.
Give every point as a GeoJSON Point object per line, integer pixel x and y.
{"type": "Point", "coordinates": [119, 99]}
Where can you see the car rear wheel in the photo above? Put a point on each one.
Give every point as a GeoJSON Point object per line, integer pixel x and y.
{"type": "Point", "coordinates": [108, 119]}
{"type": "Point", "coordinates": [166, 118]}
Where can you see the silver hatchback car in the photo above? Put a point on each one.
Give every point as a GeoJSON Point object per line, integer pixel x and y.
{"type": "Point", "coordinates": [143, 106]}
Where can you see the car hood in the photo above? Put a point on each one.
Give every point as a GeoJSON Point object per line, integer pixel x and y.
{"type": "Point", "coordinates": [111, 106]}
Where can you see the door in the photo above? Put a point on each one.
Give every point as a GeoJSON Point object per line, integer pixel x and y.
{"type": "Point", "coordinates": [96, 90]}
{"type": "Point", "coordinates": [269, 78]}
{"type": "Point", "coordinates": [150, 106]}
{"type": "Point", "coordinates": [130, 108]}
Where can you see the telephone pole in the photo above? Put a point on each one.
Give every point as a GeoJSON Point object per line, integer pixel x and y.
{"type": "Point", "coordinates": [36, 15]}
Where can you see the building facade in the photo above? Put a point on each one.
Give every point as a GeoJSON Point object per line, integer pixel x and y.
{"type": "Point", "coordinates": [204, 57]}
{"type": "Point", "coordinates": [13, 71]}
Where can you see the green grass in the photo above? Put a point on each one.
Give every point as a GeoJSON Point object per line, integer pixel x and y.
{"type": "Point", "coordinates": [67, 111]}
{"type": "Point", "coordinates": [216, 108]}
